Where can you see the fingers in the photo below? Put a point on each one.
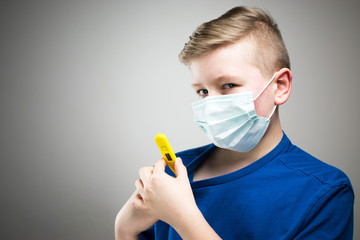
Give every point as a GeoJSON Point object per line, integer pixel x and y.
{"type": "Point", "coordinates": [145, 174]}
{"type": "Point", "coordinates": [148, 174]}
{"type": "Point", "coordinates": [160, 167]}
{"type": "Point", "coordinates": [139, 188]}
{"type": "Point", "coordinates": [180, 168]}
{"type": "Point", "coordinates": [137, 200]}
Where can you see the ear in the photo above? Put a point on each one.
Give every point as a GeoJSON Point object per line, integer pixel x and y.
{"type": "Point", "coordinates": [283, 83]}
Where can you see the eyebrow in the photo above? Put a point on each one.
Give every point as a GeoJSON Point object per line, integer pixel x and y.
{"type": "Point", "coordinates": [196, 84]}
{"type": "Point", "coordinates": [220, 78]}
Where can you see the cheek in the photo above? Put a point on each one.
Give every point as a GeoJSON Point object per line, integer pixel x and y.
{"type": "Point", "coordinates": [264, 104]}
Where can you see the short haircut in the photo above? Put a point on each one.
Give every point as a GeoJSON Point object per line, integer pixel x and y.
{"type": "Point", "coordinates": [241, 23]}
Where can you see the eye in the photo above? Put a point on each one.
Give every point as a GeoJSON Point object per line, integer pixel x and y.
{"type": "Point", "coordinates": [202, 92]}
{"type": "Point", "coordinates": [229, 85]}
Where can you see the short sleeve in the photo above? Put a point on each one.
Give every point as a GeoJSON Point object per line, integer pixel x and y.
{"type": "Point", "coordinates": [331, 217]}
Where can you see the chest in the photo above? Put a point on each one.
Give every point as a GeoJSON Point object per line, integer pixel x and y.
{"type": "Point", "coordinates": [253, 210]}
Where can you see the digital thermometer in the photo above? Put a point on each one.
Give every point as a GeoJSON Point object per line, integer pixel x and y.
{"type": "Point", "coordinates": [166, 150]}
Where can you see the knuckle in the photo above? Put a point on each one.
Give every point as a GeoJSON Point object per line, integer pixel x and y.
{"type": "Point", "coordinates": [136, 204]}
{"type": "Point", "coordinates": [138, 183]}
{"type": "Point", "coordinates": [148, 189]}
{"type": "Point", "coordinates": [146, 198]}
{"type": "Point", "coordinates": [156, 178]}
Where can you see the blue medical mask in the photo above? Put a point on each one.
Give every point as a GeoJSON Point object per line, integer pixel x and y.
{"type": "Point", "coordinates": [230, 121]}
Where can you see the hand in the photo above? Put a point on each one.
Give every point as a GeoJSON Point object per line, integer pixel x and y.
{"type": "Point", "coordinates": [172, 201]}
{"type": "Point", "coordinates": [131, 220]}
{"type": "Point", "coordinates": [166, 198]}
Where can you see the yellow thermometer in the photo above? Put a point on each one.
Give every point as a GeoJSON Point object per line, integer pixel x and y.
{"type": "Point", "coordinates": [166, 150]}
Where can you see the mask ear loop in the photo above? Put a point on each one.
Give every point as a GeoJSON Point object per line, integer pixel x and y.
{"type": "Point", "coordinates": [266, 86]}
{"type": "Point", "coordinates": [272, 113]}
{"type": "Point", "coordinates": [264, 90]}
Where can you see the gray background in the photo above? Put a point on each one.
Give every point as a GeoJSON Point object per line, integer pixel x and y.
{"type": "Point", "coordinates": [86, 85]}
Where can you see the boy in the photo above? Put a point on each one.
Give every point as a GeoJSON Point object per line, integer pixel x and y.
{"type": "Point", "coordinates": [251, 183]}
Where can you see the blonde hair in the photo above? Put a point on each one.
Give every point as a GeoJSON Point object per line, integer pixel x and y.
{"type": "Point", "coordinates": [237, 24]}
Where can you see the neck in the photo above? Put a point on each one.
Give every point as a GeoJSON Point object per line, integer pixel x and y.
{"type": "Point", "coordinates": [270, 140]}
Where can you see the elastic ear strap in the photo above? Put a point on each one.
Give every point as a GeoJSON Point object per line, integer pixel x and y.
{"type": "Point", "coordinates": [272, 112]}
{"type": "Point", "coordinates": [265, 86]}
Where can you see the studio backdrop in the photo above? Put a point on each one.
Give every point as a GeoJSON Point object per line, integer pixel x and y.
{"type": "Point", "coordinates": [86, 85]}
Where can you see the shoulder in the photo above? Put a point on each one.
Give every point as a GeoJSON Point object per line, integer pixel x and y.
{"type": "Point", "coordinates": [328, 192]}
{"type": "Point", "coordinates": [303, 163]}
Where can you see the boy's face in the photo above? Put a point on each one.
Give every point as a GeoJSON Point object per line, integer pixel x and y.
{"type": "Point", "coordinates": [227, 70]}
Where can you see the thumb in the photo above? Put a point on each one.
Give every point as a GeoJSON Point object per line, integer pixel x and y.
{"type": "Point", "coordinates": [180, 168]}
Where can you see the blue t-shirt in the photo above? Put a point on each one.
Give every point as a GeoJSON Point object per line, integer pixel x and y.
{"type": "Point", "coordinates": [287, 194]}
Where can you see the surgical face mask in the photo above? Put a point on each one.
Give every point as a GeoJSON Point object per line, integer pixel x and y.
{"type": "Point", "coordinates": [230, 121]}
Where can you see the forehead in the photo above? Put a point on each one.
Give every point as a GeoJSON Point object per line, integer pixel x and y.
{"type": "Point", "coordinates": [230, 60]}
